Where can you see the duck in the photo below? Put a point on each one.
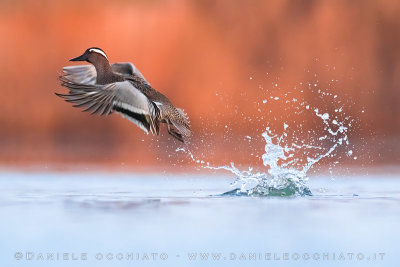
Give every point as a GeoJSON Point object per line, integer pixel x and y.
{"type": "Point", "coordinates": [103, 88]}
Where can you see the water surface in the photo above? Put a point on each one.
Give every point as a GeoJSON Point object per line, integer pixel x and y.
{"type": "Point", "coordinates": [158, 220]}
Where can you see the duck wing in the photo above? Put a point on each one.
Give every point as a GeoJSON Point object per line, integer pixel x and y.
{"type": "Point", "coordinates": [87, 74]}
{"type": "Point", "coordinates": [120, 97]}
{"type": "Point", "coordinates": [127, 69]}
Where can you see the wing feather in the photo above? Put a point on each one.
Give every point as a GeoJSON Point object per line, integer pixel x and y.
{"type": "Point", "coordinates": [83, 74]}
{"type": "Point", "coordinates": [127, 69]}
{"type": "Point", "coordinates": [121, 97]}
{"type": "Point", "coordinates": [86, 74]}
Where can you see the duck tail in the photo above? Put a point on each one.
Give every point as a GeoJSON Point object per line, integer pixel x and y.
{"type": "Point", "coordinates": [181, 122]}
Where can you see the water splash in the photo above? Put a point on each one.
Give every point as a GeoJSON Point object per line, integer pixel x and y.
{"type": "Point", "coordinates": [282, 177]}
{"type": "Point", "coordinates": [288, 156]}
{"type": "Point", "coordinates": [286, 171]}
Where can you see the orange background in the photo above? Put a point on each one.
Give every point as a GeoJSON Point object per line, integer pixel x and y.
{"type": "Point", "coordinates": [216, 59]}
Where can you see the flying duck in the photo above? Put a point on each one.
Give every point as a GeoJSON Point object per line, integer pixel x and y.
{"type": "Point", "coordinates": [120, 87]}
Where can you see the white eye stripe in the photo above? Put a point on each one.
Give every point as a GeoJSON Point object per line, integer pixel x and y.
{"type": "Point", "coordinates": [98, 51]}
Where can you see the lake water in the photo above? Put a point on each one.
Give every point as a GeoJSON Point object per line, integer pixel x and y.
{"type": "Point", "coordinates": [93, 219]}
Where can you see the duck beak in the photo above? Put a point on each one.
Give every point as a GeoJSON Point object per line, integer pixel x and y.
{"type": "Point", "coordinates": [80, 58]}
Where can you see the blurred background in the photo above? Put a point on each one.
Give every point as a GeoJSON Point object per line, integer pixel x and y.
{"type": "Point", "coordinates": [218, 60]}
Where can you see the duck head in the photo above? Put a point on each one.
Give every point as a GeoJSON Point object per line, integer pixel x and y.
{"type": "Point", "coordinates": [92, 55]}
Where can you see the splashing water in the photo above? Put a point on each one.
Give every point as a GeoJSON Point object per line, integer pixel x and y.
{"type": "Point", "coordinates": [288, 165]}
{"type": "Point", "coordinates": [282, 178]}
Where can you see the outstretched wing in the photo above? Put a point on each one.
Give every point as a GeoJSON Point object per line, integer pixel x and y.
{"type": "Point", "coordinates": [127, 69]}
{"type": "Point", "coordinates": [86, 74]}
{"type": "Point", "coordinates": [121, 97]}
{"type": "Point", "coordinates": [82, 74]}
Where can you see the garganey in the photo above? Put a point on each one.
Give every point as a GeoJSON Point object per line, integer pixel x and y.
{"type": "Point", "coordinates": [120, 87]}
